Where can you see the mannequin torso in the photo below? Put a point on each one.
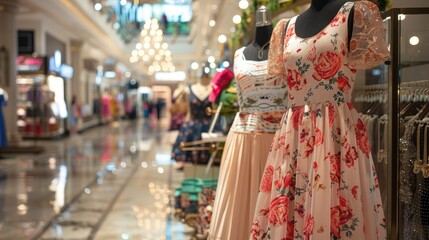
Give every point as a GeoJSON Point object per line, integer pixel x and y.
{"type": "Point", "coordinates": [261, 42]}
{"type": "Point", "coordinates": [318, 16]}
{"type": "Point", "coordinates": [202, 89]}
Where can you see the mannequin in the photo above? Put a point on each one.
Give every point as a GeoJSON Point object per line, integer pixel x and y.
{"type": "Point", "coordinates": [258, 49]}
{"type": "Point", "coordinates": [202, 88]}
{"type": "Point", "coordinates": [318, 16]}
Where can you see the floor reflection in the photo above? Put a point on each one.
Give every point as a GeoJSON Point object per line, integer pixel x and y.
{"type": "Point", "coordinates": [112, 182]}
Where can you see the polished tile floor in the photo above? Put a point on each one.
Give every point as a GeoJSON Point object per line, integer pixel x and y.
{"type": "Point", "coordinates": [111, 182]}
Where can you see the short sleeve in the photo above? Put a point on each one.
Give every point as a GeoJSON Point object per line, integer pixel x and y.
{"type": "Point", "coordinates": [367, 46]}
{"type": "Point", "coordinates": [275, 53]}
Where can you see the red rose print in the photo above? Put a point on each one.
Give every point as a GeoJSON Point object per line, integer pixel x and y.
{"type": "Point", "coordinates": [308, 226]}
{"type": "Point", "coordinates": [340, 18]}
{"type": "Point", "coordinates": [290, 230]}
{"type": "Point", "coordinates": [267, 179]}
{"type": "Point", "coordinates": [295, 80]}
{"type": "Point", "coordinates": [256, 232]}
{"type": "Point", "coordinates": [287, 180]}
{"type": "Point", "coordinates": [354, 192]}
{"type": "Point", "coordinates": [299, 208]}
{"type": "Point", "coordinates": [362, 138]}
{"type": "Point", "coordinates": [327, 65]}
{"type": "Point", "coordinates": [343, 49]}
{"type": "Point", "coordinates": [335, 221]}
{"type": "Point", "coordinates": [281, 142]}
{"type": "Point", "coordinates": [278, 183]}
{"type": "Point", "coordinates": [319, 137]}
{"type": "Point", "coordinates": [286, 151]}
{"type": "Point", "coordinates": [335, 172]}
{"type": "Point", "coordinates": [346, 212]}
{"type": "Point", "coordinates": [305, 132]}
{"type": "Point", "coordinates": [309, 147]}
{"type": "Point", "coordinates": [350, 105]}
{"type": "Point", "coordinates": [311, 56]}
{"type": "Point", "coordinates": [278, 210]}
{"type": "Point", "coordinates": [351, 156]}
{"type": "Point", "coordinates": [297, 115]}
{"type": "Point", "coordinates": [315, 166]}
{"type": "Point", "coordinates": [343, 84]}
{"type": "Point", "coordinates": [332, 113]}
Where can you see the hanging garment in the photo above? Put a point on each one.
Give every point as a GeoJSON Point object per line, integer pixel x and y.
{"type": "Point", "coordinates": [262, 104]}
{"type": "Point", "coordinates": [319, 181]}
{"type": "Point", "coordinates": [191, 130]}
{"type": "Point", "coordinates": [3, 138]}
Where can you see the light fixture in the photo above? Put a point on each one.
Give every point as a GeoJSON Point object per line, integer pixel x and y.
{"type": "Point", "coordinates": [414, 40]}
{"type": "Point", "coordinates": [213, 65]}
{"type": "Point", "coordinates": [225, 64]}
{"type": "Point", "coordinates": [236, 19]}
{"type": "Point", "coordinates": [98, 6]}
{"type": "Point", "coordinates": [222, 38]}
{"type": "Point", "coordinates": [211, 59]}
{"type": "Point", "coordinates": [207, 51]}
{"type": "Point", "coordinates": [243, 4]}
{"type": "Point", "coordinates": [212, 23]}
{"type": "Point", "coordinates": [123, 2]}
{"type": "Point", "coordinates": [194, 65]}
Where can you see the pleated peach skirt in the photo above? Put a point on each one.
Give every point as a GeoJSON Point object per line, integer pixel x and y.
{"type": "Point", "coordinates": [241, 170]}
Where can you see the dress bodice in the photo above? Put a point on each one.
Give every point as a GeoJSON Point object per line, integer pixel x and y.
{"type": "Point", "coordinates": [262, 97]}
{"type": "Point", "coordinates": [197, 106]}
{"type": "Point", "coordinates": [322, 68]}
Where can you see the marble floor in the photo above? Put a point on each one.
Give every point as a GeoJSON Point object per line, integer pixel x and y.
{"type": "Point", "coordinates": [111, 182]}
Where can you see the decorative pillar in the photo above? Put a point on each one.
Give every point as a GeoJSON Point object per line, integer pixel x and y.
{"type": "Point", "coordinates": [8, 40]}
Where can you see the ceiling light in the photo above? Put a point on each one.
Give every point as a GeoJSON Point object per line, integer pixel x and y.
{"type": "Point", "coordinates": [222, 38]}
{"type": "Point", "coordinates": [243, 4]}
{"type": "Point", "coordinates": [225, 64]}
{"type": "Point", "coordinates": [194, 65]}
{"type": "Point", "coordinates": [236, 19]}
{"type": "Point", "coordinates": [98, 6]}
{"type": "Point", "coordinates": [138, 45]}
{"type": "Point", "coordinates": [211, 59]}
{"type": "Point", "coordinates": [213, 65]}
{"type": "Point", "coordinates": [123, 2]}
{"type": "Point", "coordinates": [116, 26]}
{"type": "Point", "coordinates": [212, 23]}
{"type": "Point", "coordinates": [207, 51]}
{"type": "Point", "coordinates": [414, 40]}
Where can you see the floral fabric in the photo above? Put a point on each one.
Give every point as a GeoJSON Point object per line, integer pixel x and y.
{"type": "Point", "coordinates": [320, 181]}
{"type": "Point", "coordinates": [191, 130]}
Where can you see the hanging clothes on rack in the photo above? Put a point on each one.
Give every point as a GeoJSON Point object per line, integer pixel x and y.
{"type": "Point", "coordinates": [3, 102]}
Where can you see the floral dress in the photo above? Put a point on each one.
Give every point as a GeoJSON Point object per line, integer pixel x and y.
{"type": "Point", "coordinates": [191, 130]}
{"type": "Point", "coordinates": [319, 181]}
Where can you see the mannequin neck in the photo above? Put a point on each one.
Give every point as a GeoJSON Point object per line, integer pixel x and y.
{"type": "Point", "coordinates": [202, 88]}
{"type": "Point", "coordinates": [319, 4]}
{"type": "Point", "coordinates": [263, 34]}
{"type": "Point", "coordinates": [258, 49]}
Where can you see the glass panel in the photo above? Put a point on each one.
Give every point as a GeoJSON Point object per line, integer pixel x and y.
{"type": "Point", "coordinates": [414, 128]}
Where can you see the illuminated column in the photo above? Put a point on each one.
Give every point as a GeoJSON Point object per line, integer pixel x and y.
{"type": "Point", "coordinates": [8, 40]}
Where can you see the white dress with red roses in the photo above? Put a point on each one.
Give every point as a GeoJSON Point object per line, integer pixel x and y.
{"type": "Point", "coordinates": [319, 181]}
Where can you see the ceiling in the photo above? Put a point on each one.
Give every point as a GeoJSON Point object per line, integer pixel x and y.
{"type": "Point", "coordinates": [83, 23]}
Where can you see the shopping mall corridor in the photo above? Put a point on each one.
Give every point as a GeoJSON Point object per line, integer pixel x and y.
{"type": "Point", "coordinates": [111, 182]}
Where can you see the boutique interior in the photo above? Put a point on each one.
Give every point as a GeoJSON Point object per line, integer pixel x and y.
{"type": "Point", "coordinates": [214, 119]}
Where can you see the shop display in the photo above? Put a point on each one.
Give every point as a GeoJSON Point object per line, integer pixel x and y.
{"type": "Point", "coordinates": [261, 99]}
{"type": "Point", "coordinates": [320, 180]}
{"type": "Point", "coordinates": [198, 123]}
{"type": "Point", "coordinates": [179, 107]}
{"type": "Point", "coordinates": [3, 102]}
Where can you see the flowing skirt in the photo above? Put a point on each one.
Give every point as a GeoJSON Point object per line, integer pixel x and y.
{"type": "Point", "coordinates": [241, 170]}
{"type": "Point", "coordinates": [320, 182]}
